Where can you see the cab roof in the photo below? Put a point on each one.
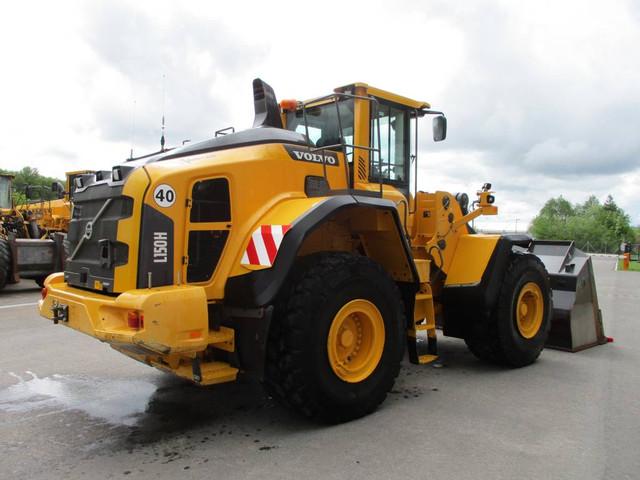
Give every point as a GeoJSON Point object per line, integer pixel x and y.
{"type": "Point", "coordinates": [392, 97]}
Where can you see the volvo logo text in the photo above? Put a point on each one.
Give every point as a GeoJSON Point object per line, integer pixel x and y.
{"type": "Point", "coordinates": [318, 156]}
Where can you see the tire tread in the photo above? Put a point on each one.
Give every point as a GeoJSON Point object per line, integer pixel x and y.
{"type": "Point", "coordinates": [285, 377]}
{"type": "Point", "coordinates": [487, 340]}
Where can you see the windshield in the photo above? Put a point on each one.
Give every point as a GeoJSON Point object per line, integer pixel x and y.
{"type": "Point", "coordinates": [322, 123]}
{"type": "Point", "coordinates": [5, 192]}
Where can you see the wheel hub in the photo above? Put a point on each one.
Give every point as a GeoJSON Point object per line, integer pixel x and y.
{"type": "Point", "coordinates": [529, 310]}
{"type": "Point", "coordinates": [356, 340]}
{"type": "Point", "coordinates": [346, 339]}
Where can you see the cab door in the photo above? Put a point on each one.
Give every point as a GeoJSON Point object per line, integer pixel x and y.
{"type": "Point", "coordinates": [389, 160]}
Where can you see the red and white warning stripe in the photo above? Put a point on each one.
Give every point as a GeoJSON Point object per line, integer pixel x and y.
{"type": "Point", "coordinates": [264, 244]}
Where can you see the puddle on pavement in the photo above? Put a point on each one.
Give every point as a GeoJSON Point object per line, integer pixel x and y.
{"type": "Point", "coordinates": [150, 409]}
{"type": "Point", "coordinates": [117, 402]}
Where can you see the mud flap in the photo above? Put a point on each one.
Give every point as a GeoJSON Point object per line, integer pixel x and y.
{"type": "Point", "coordinates": [577, 320]}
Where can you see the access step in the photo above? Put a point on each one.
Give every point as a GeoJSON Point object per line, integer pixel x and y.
{"type": "Point", "coordinates": [222, 339]}
{"type": "Point", "coordinates": [422, 351]}
{"type": "Point", "coordinates": [203, 373]}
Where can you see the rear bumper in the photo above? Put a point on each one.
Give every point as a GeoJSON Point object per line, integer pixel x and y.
{"type": "Point", "coordinates": [175, 319]}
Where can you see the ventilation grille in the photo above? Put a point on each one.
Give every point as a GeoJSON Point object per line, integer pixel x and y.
{"type": "Point", "coordinates": [362, 170]}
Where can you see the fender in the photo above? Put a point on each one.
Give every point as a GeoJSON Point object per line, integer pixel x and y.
{"type": "Point", "coordinates": [260, 287]}
{"type": "Point", "coordinates": [463, 303]}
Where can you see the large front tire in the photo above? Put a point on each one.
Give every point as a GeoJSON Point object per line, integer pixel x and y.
{"type": "Point", "coordinates": [5, 263]}
{"type": "Point", "coordinates": [336, 341]}
{"type": "Point", "coordinates": [515, 332]}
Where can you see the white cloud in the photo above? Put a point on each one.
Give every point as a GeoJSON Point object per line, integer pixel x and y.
{"type": "Point", "coordinates": [541, 97]}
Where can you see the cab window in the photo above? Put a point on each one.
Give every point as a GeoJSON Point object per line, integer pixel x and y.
{"type": "Point", "coordinates": [322, 123]}
{"type": "Point", "coordinates": [392, 165]}
{"type": "Point", "coordinates": [5, 193]}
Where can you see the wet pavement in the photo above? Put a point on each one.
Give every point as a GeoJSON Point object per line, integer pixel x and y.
{"type": "Point", "coordinates": [70, 407]}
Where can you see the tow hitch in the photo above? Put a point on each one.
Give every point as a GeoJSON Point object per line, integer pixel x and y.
{"type": "Point", "coordinates": [60, 312]}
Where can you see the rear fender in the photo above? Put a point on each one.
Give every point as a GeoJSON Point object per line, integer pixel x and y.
{"type": "Point", "coordinates": [373, 221]}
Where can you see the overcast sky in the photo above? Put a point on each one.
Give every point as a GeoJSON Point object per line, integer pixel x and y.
{"type": "Point", "coordinates": [542, 97]}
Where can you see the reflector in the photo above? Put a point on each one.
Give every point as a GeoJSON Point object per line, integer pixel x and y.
{"type": "Point", "coordinates": [135, 320]}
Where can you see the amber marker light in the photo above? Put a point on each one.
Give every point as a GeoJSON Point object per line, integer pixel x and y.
{"type": "Point", "coordinates": [289, 104]}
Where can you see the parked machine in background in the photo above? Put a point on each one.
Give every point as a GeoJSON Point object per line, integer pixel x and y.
{"type": "Point", "coordinates": [301, 252]}
{"type": "Point", "coordinates": [31, 235]}
{"type": "Point", "coordinates": [53, 214]}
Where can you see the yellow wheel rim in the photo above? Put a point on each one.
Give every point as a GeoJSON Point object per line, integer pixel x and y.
{"type": "Point", "coordinates": [529, 310]}
{"type": "Point", "coordinates": [356, 340]}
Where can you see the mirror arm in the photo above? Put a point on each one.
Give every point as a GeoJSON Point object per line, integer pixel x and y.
{"type": "Point", "coordinates": [423, 112]}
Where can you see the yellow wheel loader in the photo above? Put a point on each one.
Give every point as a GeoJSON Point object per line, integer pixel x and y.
{"type": "Point", "coordinates": [32, 235]}
{"type": "Point", "coordinates": [53, 215]}
{"type": "Point", "coordinates": [299, 252]}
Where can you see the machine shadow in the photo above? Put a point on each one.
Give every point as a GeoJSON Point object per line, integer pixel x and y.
{"type": "Point", "coordinates": [455, 355]}
{"type": "Point", "coordinates": [180, 408]}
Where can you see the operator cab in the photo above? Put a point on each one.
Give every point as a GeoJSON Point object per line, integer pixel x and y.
{"type": "Point", "coordinates": [5, 192]}
{"type": "Point", "coordinates": [376, 127]}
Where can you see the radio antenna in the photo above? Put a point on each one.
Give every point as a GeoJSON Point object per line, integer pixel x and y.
{"type": "Point", "coordinates": [163, 96]}
{"type": "Point", "coordinates": [133, 128]}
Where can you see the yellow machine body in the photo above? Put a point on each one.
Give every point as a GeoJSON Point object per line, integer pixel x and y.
{"type": "Point", "coordinates": [297, 199]}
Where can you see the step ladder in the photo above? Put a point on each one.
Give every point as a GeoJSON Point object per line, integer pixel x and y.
{"type": "Point", "coordinates": [422, 340]}
{"type": "Point", "coordinates": [202, 372]}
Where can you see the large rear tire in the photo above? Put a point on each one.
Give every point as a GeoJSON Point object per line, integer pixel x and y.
{"type": "Point", "coordinates": [336, 341]}
{"type": "Point", "coordinates": [515, 332]}
{"type": "Point", "coordinates": [5, 263]}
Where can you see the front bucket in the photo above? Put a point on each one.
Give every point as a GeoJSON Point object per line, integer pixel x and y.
{"type": "Point", "coordinates": [577, 320]}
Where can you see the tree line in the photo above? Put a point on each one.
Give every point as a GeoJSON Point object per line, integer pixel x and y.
{"type": "Point", "coordinates": [29, 176]}
{"type": "Point", "coordinates": [594, 226]}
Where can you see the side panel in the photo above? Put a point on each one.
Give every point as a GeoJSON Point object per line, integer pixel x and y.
{"type": "Point", "coordinates": [261, 179]}
{"type": "Point", "coordinates": [284, 213]}
{"type": "Point", "coordinates": [129, 231]}
{"type": "Point", "coordinates": [155, 266]}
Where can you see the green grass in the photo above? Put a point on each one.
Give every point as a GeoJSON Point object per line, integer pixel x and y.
{"type": "Point", "coordinates": [633, 266]}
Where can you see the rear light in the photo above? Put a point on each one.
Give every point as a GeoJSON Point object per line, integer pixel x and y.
{"type": "Point", "coordinates": [44, 292]}
{"type": "Point", "coordinates": [135, 320]}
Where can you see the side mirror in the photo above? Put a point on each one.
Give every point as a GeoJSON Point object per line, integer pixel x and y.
{"type": "Point", "coordinates": [58, 189]}
{"type": "Point", "coordinates": [439, 128]}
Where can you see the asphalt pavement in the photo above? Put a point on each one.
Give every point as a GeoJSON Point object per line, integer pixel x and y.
{"type": "Point", "coordinates": [71, 407]}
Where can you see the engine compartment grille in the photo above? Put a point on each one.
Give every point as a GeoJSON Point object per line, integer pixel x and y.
{"type": "Point", "coordinates": [93, 249]}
